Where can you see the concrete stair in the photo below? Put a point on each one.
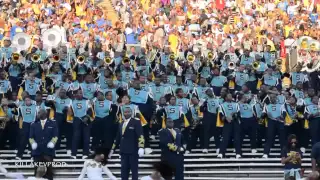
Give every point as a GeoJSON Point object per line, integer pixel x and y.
{"type": "Point", "coordinates": [108, 7]}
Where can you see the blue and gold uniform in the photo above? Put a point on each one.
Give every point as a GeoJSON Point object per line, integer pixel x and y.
{"type": "Point", "coordinates": [5, 87]}
{"type": "Point", "coordinates": [210, 110]}
{"type": "Point", "coordinates": [42, 134]}
{"type": "Point", "coordinates": [240, 79]}
{"type": "Point", "coordinates": [158, 92]}
{"type": "Point", "coordinates": [313, 115]}
{"type": "Point", "coordinates": [88, 90]}
{"type": "Point", "coordinates": [217, 83]}
{"type": "Point", "coordinates": [27, 115]}
{"type": "Point", "coordinates": [82, 116]}
{"type": "Point", "coordinates": [270, 80]}
{"type": "Point", "coordinates": [172, 150]}
{"type": "Point", "coordinates": [231, 127]}
{"type": "Point", "coordinates": [130, 138]}
{"type": "Point", "coordinates": [32, 87]}
{"type": "Point", "coordinates": [15, 75]}
{"type": "Point", "coordinates": [249, 123]}
{"type": "Point", "coordinates": [298, 77]}
{"type": "Point", "coordinates": [196, 127]}
{"type": "Point", "coordinates": [102, 126]}
{"type": "Point", "coordinates": [275, 114]}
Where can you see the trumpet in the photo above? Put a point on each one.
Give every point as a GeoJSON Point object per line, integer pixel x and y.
{"type": "Point", "coordinates": [80, 59]}
{"type": "Point", "coordinates": [278, 62]}
{"type": "Point", "coordinates": [172, 57]}
{"type": "Point", "coordinates": [210, 56]}
{"type": "Point", "coordinates": [55, 58]}
{"type": "Point", "coordinates": [125, 60]}
{"type": "Point", "coordinates": [231, 65]}
{"type": "Point", "coordinates": [35, 58]}
{"type": "Point", "coordinates": [15, 56]}
{"type": "Point", "coordinates": [108, 60]}
{"type": "Point", "coordinates": [256, 65]}
{"type": "Point", "coordinates": [191, 58]}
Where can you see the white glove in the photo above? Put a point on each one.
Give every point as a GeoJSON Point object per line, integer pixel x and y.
{"type": "Point", "coordinates": [141, 152]}
{"type": "Point", "coordinates": [110, 154]}
{"type": "Point", "coordinates": [50, 145]}
{"type": "Point", "coordinates": [34, 146]}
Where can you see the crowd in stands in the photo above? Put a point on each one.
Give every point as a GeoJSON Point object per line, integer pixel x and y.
{"type": "Point", "coordinates": [217, 69]}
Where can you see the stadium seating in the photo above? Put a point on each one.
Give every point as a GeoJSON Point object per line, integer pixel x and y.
{"type": "Point", "coordinates": [198, 166]}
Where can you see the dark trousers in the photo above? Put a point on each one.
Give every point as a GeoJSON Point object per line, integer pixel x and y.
{"type": "Point", "coordinates": [231, 130]}
{"type": "Point", "coordinates": [314, 125]}
{"type": "Point", "coordinates": [69, 134]}
{"type": "Point", "coordinates": [98, 128]}
{"type": "Point", "coordinates": [15, 81]}
{"type": "Point", "coordinates": [252, 85]}
{"type": "Point", "coordinates": [129, 162]}
{"type": "Point", "coordinates": [195, 133]}
{"type": "Point", "coordinates": [261, 134]}
{"type": "Point", "coordinates": [44, 160]}
{"type": "Point", "coordinates": [146, 134]}
{"type": "Point", "coordinates": [210, 129]}
{"type": "Point", "coordinates": [80, 128]}
{"type": "Point", "coordinates": [12, 130]}
{"type": "Point", "coordinates": [273, 128]}
{"type": "Point", "coordinates": [216, 90]}
{"type": "Point", "coordinates": [110, 132]}
{"type": "Point", "coordinates": [176, 163]}
{"type": "Point", "coordinates": [60, 119]}
{"type": "Point", "coordinates": [249, 127]}
{"type": "Point", "coordinates": [24, 138]}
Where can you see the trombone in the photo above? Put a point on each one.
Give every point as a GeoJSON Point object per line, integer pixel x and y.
{"type": "Point", "coordinates": [210, 56]}
{"type": "Point", "coordinates": [190, 58]}
{"type": "Point", "coordinates": [256, 65]}
{"type": "Point", "coordinates": [55, 58]}
{"type": "Point", "coordinates": [35, 58]}
{"type": "Point", "coordinates": [231, 65]}
{"type": "Point", "coordinates": [15, 56]}
{"type": "Point", "coordinates": [80, 59]}
{"type": "Point", "coordinates": [172, 57]}
{"type": "Point", "coordinates": [108, 60]}
{"type": "Point", "coordinates": [278, 62]}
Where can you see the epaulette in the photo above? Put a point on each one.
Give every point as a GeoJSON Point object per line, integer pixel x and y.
{"type": "Point", "coordinates": [137, 119]}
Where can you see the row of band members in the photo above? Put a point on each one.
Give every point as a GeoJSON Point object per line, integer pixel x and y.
{"type": "Point", "coordinates": [238, 113]}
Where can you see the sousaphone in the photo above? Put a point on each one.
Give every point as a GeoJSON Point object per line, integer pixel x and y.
{"type": "Point", "coordinates": [51, 38]}
{"type": "Point", "coordinates": [21, 42]}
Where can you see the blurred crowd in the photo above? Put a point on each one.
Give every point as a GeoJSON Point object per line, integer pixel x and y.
{"type": "Point", "coordinates": [211, 70]}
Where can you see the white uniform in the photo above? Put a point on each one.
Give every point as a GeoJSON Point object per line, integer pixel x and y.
{"type": "Point", "coordinates": [94, 171]}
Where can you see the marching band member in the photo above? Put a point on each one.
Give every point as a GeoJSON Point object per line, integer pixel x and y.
{"type": "Point", "coordinates": [5, 85]}
{"type": "Point", "coordinates": [130, 138]}
{"type": "Point", "coordinates": [180, 85]}
{"type": "Point", "coordinates": [31, 85]}
{"type": "Point", "coordinates": [95, 166]}
{"type": "Point", "coordinates": [105, 114]}
{"type": "Point", "coordinates": [196, 125]}
{"type": "Point", "coordinates": [210, 109]}
{"type": "Point", "coordinates": [218, 81]}
{"type": "Point", "coordinates": [82, 117]}
{"type": "Point", "coordinates": [159, 90]}
{"type": "Point", "coordinates": [61, 104]}
{"type": "Point", "coordinates": [144, 100]}
{"type": "Point", "coordinates": [15, 73]}
{"type": "Point", "coordinates": [312, 114]}
{"type": "Point", "coordinates": [275, 114]}
{"type": "Point", "coordinates": [111, 87]}
{"type": "Point", "coordinates": [27, 112]}
{"type": "Point", "coordinates": [201, 89]}
{"type": "Point", "coordinates": [88, 87]}
{"type": "Point", "coordinates": [248, 121]}
{"type": "Point", "coordinates": [228, 111]}
{"type": "Point", "coordinates": [172, 147]}
{"type": "Point", "coordinates": [245, 58]}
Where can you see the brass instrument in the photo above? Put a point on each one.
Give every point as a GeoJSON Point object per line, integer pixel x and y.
{"type": "Point", "coordinates": [210, 56]}
{"type": "Point", "coordinates": [55, 58]}
{"type": "Point", "coordinates": [3, 117]}
{"type": "Point", "coordinates": [125, 60]}
{"type": "Point", "coordinates": [231, 65]}
{"type": "Point", "coordinates": [35, 58]}
{"type": "Point", "coordinates": [15, 56]}
{"type": "Point", "coordinates": [278, 62]}
{"type": "Point", "coordinates": [190, 58]}
{"type": "Point", "coordinates": [256, 65]}
{"type": "Point", "coordinates": [108, 60]}
{"type": "Point", "coordinates": [81, 59]}
{"type": "Point", "coordinates": [172, 57]}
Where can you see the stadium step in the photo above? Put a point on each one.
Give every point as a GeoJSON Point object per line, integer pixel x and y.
{"type": "Point", "coordinates": [197, 165]}
{"type": "Point", "coordinates": [108, 7]}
